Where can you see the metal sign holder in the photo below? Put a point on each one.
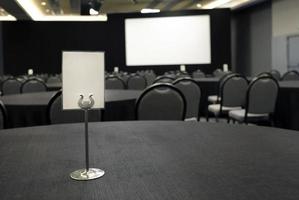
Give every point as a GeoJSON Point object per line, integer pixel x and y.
{"type": "Point", "coordinates": [87, 173]}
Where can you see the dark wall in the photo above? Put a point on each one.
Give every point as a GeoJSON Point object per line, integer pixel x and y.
{"type": "Point", "coordinates": [251, 39]}
{"type": "Point", "coordinates": [38, 45]}
{"type": "Point", "coordinates": [1, 51]}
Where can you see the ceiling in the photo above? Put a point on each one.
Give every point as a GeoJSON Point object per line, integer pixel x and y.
{"type": "Point", "coordinates": [76, 7]}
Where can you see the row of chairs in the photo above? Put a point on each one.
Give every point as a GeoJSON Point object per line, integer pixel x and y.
{"type": "Point", "coordinates": [15, 86]}
{"type": "Point", "coordinates": [133, 82]}
{"type": "Point", "coordinates": [161, 101]}
{"type": "Point", "coordinates": [243, 102]}
{"type": "Point", "coordinates": [288, 76]}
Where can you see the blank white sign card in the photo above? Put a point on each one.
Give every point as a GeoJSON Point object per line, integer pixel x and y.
{"type": "Point", "coordinates": [82, 73]}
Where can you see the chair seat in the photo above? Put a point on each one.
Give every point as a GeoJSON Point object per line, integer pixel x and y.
{"type": "Point", "coordinates": [190, 119]}
{"type": "Point", "coordinates": [213, 98]}
{"type": "Point", "coordinates": [215, 108]}
{"type": "Point", "coordinates": [239, 115]}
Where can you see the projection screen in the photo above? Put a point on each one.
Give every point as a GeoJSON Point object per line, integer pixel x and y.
{"type": "Point", "coordinates": [168, 40]}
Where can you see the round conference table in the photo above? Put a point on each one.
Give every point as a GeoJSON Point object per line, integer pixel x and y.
{"type": "Point", "coordinates": [151, 161]}
{"type": "Point", "coordinates": [30, 109]}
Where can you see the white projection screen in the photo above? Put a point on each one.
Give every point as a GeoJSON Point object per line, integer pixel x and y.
{"type": "Point", "coordinates": [168, 40]}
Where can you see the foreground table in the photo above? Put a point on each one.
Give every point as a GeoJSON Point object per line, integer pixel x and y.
{"type": "Point", "coordinates": [151, 161]}
{"type": "Point", "coordinates": [30, 109]}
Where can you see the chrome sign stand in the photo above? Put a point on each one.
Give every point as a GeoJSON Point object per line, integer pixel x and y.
{"type": "Point", "coordinates": [87, 173]}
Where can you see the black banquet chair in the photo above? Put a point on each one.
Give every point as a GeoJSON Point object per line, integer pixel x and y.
{"type": "Point", "coordinates": [11, 86]}
{"type": "Point", "coordinates": [3, 116]}
{"type": "Point", "coordinates": [164, 79]}
{"type": "Point", "coordinates": [114, 82]}
{"type": "Point", "coordinates": [232, 96]}
{"type": "Point", "coordinates": [276, 74]}
{"type": "Point", "coordinates": [161, 101]}
{"type": "Point", "coordinates": [54, 79]}
{"type": "Point", "coordinates": [56, 115]}
{"type": "Point", "coordinates": [198, 74]}
{"type": "Point", "coordinates": [192, 93]}
{"type": "Point", "coordinates": [150, 77]}
{"type": "Point", "coordinates": [33, 85]}
{"type": "Point", "coordinates": [260, 104]}
{"type": "Point", "coordinates": [290, 76]}
{"type": "Point", "coordinates": [136, 82]}
{"type": "Point", "coordinates": [216, 98]}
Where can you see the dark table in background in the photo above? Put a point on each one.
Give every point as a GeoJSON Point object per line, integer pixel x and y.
{"type": "Point", "coordinates": [287, 109]}
{"type": "Point", "coordinates": [151, 161]}
{"type": "Point", "coordinates": [208, 86]}
{"type": "Point", "coordinates": [30, 109]}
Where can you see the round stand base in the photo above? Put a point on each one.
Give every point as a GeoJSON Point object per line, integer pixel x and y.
{"type": "Point", "coordinates": [84, 175]}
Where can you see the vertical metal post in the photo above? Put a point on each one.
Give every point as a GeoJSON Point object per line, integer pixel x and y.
{"type": "Point", "coordinates": [87, 173]}
{"type": "Point", "coordinates": [86, 139]}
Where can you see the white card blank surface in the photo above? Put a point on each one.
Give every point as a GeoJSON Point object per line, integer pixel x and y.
{"type": "Point", "coordinates": [82, 73]}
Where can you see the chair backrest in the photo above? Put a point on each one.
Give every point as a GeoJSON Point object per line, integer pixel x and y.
{"type": "Point", "coordinates": [192, 94]}
{"type": "Point", "coordinates": [54, 79]}
{"type": "Point", "coordinates": [261, 95]}
{"type": "Point", "coordinates": [182, 75]}
{"type": "Point", "coordinates": [33, 85]}
{"type": "Point", "coordinates": [11, 86]}
{"type": "Point", "coordinates": [56, 115]}
{"type": "Point", "coordinates": [221, 81]}
{"type": "Point", "coordinates": [233, 91]}
{"type": "Point", "coordinates": [136, 82]}
{"type": "Point", "coordinates": [290, 76]}
{"type": "Point", "coordinates": [164, 79]}
{"type": "Point", "coordinates": [218, 73]}
{"type": "Point", "coordinates": [275, 74]}
{"type": "Point", "coordinates": [150, 77]}
{"type": "Point", "coordinates": [267, 74]}
{"type": "Point", "coordinates": [198, 74]}
{"type": "Point", "coordinates": [114, 82]}
{"type": "Point", "coordinates": [161, 101]}
{"type": "Point", "coordinates": [3, 116]}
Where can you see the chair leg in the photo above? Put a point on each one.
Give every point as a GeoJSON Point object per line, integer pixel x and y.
{"type": "Point", "coordinates": [207, 117]}
{"type": "Point", "coordinates": [271, 120]}
{"type": "Point", "coordinates": [228, 120]}
{"type": "Point", "coordinates": [216, 118]}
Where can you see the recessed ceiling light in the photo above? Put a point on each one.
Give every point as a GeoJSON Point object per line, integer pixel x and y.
{"type": "Point", "coordinates": [93, 11]}
{"type": "Point", "coordinates": [43, 3]}
{"type": "Point", "coordinates": [215, 3]}
{"type": "Point", "coordinates": [150, 10]}
{"type": "Point", "coordinates": [37, 14]}
{"type": "Point", "coordinates": [8, 18]}
{"type": "Point", "coordinates": [198, 5]}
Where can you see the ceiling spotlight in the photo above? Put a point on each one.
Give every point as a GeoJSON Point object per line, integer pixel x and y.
{"type": "Point", "coordinates": [150, 10]}
{"type": "Point", "coordinates": [198, 5]}
{"type": "Point", "coordinates": [43, 3]}
{"type": "Point", "coordinates": [93, 11]}
{"type": "Point", "coordinates": [215, 4]}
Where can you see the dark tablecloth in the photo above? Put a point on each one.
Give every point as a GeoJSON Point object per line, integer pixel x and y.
{"type": "Point", "coordinates": [151, 161]}
{"type": "Point", "coordinates": [30, 109]}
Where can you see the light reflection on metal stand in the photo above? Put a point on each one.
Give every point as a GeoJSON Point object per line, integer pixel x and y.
{"type": "Point", "coordinates": [87, 173]}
